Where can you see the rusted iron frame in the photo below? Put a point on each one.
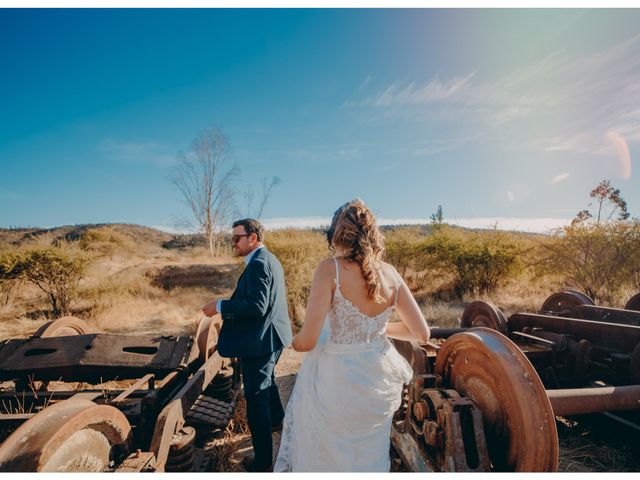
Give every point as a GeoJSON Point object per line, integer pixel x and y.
{"type": "Point", "coordinates": [171, 418]}
{"type": "Point", "coordinates": [550, 346]}
{"type": "Point", "coordinates": [606, 314]}
{"type": "Point", "coordinates": [459, 447]}
{"type": "Point", "coordinates": [137, 462]}
{"type": "Point", "coordinates": [613, 336]}
{"type": "Point", "coordinates": [92, 357]}
{"type": "Point", "coordinates": [431, 437]}
{"type": "Point", "coordinates": [148, 379]}
{"type": "Point", "coordinates": [15, 417]}
{"type": "Point", "coordinates": [412, 452]}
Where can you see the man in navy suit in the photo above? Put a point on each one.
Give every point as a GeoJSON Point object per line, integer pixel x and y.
{"type": "Point", "coordinates": [256, 328]}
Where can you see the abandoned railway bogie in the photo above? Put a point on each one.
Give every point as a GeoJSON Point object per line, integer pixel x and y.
{"type": "Point", "coordinates": [483, 397]}
{"type": "Point", "coordinates": [138, 426]}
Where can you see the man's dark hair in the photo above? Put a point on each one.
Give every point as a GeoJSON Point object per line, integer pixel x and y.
{"type": "Point", "coordinates": [250, 226]}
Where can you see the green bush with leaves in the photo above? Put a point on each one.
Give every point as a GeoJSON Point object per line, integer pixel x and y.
{"type": "Point", "coordinates": [299, 251]}
{"type": "Point", "coordinates": [598, 258]}
{"type": "Point", "coordinates": [54, 270]}
{"type": "Point", "coordinates": [403, 250]}
{"type": "Point", "coordinates": [402, 247]}
{"type": "Point", "coordinates": [477, 261]}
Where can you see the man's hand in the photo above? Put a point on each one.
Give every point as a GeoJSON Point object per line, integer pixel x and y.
{"type": "Point", "coordinates": [210, 309]}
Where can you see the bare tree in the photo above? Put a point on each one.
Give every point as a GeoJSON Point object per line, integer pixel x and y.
{"type": "Point", "coordinates": [266, 193]}
{"type": "Point", "coordinates": [248, 198]}
{"type": "Point", "coordinates": [206, 187]}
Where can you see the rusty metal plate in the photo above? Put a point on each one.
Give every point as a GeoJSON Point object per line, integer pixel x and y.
{"type": "Point", "coordinates": [211, 411]}
{"type": "Point", "coordinates": [95, 357]}
{"type": "Point", "coordinates": [488, 368]}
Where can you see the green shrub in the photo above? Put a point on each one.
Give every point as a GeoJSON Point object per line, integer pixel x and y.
{"type": "Point", "coordinates": [403, 250]}
{"type": "Point", "coordinates": [478, 261]}
{"type": "Point", "coordinates": [600, 259]}
{"type": "Point", "coordinates": [54, 270]}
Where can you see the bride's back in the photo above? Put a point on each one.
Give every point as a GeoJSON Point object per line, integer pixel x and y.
{"type": "Point", "coordinates": [353, 287]}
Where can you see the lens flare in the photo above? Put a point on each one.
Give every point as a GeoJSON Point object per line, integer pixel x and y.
{"type": "Point", "coordinates": [622, 153]}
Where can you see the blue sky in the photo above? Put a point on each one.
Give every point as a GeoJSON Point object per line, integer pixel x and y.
{"type": "Point", "coordinates": [509, 114]}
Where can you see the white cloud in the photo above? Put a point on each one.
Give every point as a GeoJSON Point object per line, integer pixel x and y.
{"type": "Point", "coordinates": [560, 177]}
{"type": "Point", "coordinates": [561, 103]}
{"type": "Point", "coordinates": [433, 91]}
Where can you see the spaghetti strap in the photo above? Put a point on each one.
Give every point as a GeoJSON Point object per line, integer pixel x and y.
{"type": "Point", "coordinates": [337, 272]}
{"type": "Point", "coordinates": [397, 285]}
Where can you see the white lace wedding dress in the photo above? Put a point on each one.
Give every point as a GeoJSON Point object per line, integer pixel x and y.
{"type": "Point", "coordinates": [339, 414]}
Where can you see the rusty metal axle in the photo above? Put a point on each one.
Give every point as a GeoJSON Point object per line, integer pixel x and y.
{"type": "Point", "coordinates": [577, 401]}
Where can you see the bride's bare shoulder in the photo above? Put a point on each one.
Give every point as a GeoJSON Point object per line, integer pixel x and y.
{"type": "Point", "coordinates": [326, 267]}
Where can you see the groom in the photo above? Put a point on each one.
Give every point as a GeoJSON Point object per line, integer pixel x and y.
{"type": "Point", "coordinates": [256, 328]}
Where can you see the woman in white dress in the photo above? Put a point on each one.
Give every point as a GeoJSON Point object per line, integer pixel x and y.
{"type": "Point", "coordinates": [349, 385]}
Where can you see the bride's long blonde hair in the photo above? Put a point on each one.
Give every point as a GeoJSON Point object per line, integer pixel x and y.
{"type": "Point", "coordinates": [354, 228]}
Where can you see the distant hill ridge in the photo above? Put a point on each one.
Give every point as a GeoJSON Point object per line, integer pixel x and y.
{"type": "Point", "coordinates": [16, 236]}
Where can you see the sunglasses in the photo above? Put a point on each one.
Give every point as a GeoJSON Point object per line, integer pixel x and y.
{"type": "Point", "coordinates": [236, 238]}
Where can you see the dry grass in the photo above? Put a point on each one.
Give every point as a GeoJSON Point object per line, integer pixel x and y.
{"type": "Point", "coordinates": [579, 452]}
{"type": "Point", "coordinates": [235, 436]}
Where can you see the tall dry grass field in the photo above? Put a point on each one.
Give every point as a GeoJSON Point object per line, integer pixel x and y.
{"type": "Point", "coordinates": [140, 280]}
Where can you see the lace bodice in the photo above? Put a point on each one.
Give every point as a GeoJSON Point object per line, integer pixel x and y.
{"type": "Point", "coordinates": [348, 325]}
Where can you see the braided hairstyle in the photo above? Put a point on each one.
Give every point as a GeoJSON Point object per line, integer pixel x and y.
{"type": "Point", "coordinates": [354, 228]}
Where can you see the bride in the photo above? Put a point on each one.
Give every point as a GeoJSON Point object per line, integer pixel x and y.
{"type": "Point", "coordinates": [349, 385]}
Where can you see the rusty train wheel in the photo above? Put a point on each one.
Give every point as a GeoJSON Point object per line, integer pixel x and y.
{"type": "Point", "coordinates": [484, 314]}
{"type": "Point", "coordinates": [565, 301]}
{"type": "Point", "coordinates": [207, 336]}
{"type": "Point", "coordinates": [63, 327]}
{"type": "Point", "coordinates": [633, 303]}
{"type": "Point", "coordinates": [71, 436]}
{"type": "Point", "coordinates": [519, 424]}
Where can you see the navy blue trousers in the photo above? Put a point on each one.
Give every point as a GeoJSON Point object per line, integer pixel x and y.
{"type": "Point", "coordinates": [264, 408]}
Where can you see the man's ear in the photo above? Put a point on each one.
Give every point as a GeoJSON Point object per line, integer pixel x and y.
{"type": "Point", "coordinates": [254, 237]}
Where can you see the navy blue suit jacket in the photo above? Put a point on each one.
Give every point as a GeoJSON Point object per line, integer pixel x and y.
{"type": "Point", "coordinates": [256, 317]}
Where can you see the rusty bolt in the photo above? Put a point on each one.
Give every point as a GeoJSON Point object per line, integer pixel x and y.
{"type": "Point", "coordinates": [420, 410]}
